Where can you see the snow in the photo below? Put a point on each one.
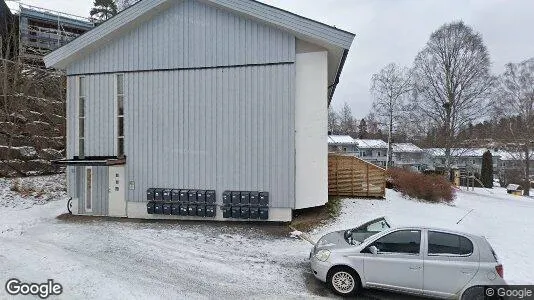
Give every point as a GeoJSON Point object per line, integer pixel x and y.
{"type": "Point", "coordinates": [340, 139]}
{"type": "Point", "coordinates": [371, 144]}
{"type": "Point", "coordinates": [406, 148]}
{"type": "Point", "coordinates": [461, 152]}
{"type": "Point", "coordinates": [505, 220]}
{"type": "Point", "coordinates": [513, 156]}
{"type": "Point", "coordinates": [115, 258]}
{"type": "Point", "coordinates": [295, 233]}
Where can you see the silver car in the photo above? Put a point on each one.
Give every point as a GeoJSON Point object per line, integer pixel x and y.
{"type": "Point", "coordinates": [421, 261]}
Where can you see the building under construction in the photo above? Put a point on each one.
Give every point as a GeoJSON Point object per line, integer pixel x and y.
{"type": "Point", "coordinates": [40, 31]}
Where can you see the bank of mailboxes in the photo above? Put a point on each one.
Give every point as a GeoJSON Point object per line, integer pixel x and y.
{"type": "Point", "coordinates": [242, 205]}
{"type": "Point", "coordinates": [245, 205]}
{"type": "Point", "coordinates": [199, 203]}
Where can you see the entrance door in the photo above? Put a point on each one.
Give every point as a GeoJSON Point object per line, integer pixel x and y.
{"type": "Point", "coordinates": [117, 193]}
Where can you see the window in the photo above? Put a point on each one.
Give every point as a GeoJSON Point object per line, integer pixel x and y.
{"type": "Point", "coordinates": [88, 189]}
{"type": "Point", "coordinates": [402, 241]}
{"type": "Point", "coordinates": [440, 243]}
{"type": "Point", "coordinates": [120, 115]}
{"type": "Point", "coordinates": [81, 117]}
{"type": "Point", "coordinates": [344, 149]}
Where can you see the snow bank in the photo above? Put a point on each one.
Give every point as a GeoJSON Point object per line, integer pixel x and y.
{"type": "Point", "coordinates": [23, 193]}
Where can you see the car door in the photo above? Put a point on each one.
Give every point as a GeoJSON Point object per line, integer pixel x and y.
{"type": "Point", "coordinates": [450, 262]}
{"type": "Point", "coordinates": [398, 264]}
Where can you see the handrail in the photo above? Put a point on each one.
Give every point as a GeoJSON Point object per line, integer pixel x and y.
{"type": "Point", "coordinates": [91, 21]}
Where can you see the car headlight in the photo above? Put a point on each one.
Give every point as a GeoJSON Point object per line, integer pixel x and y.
{"type": "Point", "coordinates": [322, 255]}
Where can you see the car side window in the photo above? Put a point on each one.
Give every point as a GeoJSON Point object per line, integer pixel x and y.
{"type": "Point", "coordinates": [402, 241]}
{"type": "Point", "coordinates": [440, 243]}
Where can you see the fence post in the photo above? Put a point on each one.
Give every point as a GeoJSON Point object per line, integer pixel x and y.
{"type": "Point", "coordinates": [367, 178]}
{"type": "Point", "coordinates": [352, 178]}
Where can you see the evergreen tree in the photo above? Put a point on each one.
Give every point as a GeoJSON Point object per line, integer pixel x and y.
{"type": "Point", "coordinates": [487, 169]}
{"type": "Point", "coordinates": [362, 129]}
{"type": "Point", "coordinates": [103, 10]}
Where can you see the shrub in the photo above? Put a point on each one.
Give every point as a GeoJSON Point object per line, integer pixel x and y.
{"type": "Point", "coordinates": [432, 188]}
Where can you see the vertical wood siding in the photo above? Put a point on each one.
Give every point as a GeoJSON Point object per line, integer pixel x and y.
{"type": "Point", "coordinates": [225, 128]}
{"type": "Point", "coordinates": [212, 129]}
{"type": "Point", "coordinates": [190, 34]}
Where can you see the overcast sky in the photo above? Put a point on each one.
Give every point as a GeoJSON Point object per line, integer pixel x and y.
{"type": "Point", "coordinates": [394, 31]}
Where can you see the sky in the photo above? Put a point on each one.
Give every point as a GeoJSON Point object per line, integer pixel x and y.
{"type": "Point", "coordinates": [395, 31]}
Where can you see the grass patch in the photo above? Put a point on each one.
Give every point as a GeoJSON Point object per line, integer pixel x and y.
{"type": "Point", "coordinates": [333, 206]}
{"type": "Point", "coordinates": [309, 218]}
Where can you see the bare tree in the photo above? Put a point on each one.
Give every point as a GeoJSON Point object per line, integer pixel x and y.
{"type": "Point", "coordinates": [347, 124]}
{"type": "Point", "coordinates": [333, 121]}
{"type": "Point", "coordinates": [452, 80]}
{"type": "Point", "coordinates": [389, 88]}
{"type": "Point", "coordinates": [515, 98]}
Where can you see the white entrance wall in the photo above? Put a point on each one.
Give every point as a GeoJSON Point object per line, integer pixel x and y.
{"type": "Point", "coordinates": [311, 129]}
{"type": "Point", "coordinates": [117, 193]}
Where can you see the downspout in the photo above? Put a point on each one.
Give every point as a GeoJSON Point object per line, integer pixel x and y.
{"type": "Point", "coordinates": [332, 87]}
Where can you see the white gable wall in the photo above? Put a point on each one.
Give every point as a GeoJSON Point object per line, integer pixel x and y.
{"type": "Point", "coordinates": [311, 183]}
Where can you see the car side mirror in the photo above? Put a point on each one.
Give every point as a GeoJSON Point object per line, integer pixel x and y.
{"type": "Point", "coordinates": [373, 250]}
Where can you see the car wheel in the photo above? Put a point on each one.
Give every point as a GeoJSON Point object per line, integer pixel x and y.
{"type": "Point", "coordinates": [474, 293]}
{"type": "Point", "coordinates": [344, 281]}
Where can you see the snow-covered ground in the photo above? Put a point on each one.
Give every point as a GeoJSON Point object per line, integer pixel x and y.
{"type": "Point", "coordinates": [507, 222]}
{"type": "Point", "coordinates": [109, 258]}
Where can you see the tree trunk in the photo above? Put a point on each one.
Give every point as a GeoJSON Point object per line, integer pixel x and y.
{"type": "Point", "coordinates": [527, 171]}
{"type": "Point", "coordinates": [448, 137]}
{"type": "Point", "coordinates": [389, 156]}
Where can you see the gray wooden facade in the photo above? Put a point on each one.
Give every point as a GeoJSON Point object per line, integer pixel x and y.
{"type": "Point", "coordinates": [219, 115]}
{"type": "Point", "coordinates": [209, 98]}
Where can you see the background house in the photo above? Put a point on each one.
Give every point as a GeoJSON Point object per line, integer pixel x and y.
{"type": "Point", "coordinates": [232, 104]}
{"type": "Point", "coordinates": [511, 167]}
{"type": "Point", "coordinates": [408, 155]}
{"type": "Point", "coordinates": [373, 151]}
{"type": "Point", "coordinates": [465, 159]}
{"type": "Point", "coordinates": [343, 143]}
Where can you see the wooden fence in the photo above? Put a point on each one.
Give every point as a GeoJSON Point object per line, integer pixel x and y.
{"type": "Point", "coordinates": [350, 176]}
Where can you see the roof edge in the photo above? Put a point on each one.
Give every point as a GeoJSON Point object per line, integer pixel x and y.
{"type": "Point", "coordinates": [314, 30]}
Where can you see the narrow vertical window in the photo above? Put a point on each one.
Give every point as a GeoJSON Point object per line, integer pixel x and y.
{"type": "Point", "coordinates": [120, 115]}
{"type": "Point", "coordinates": [81, 117]}
{"type": "Point", "coordinates": [88, 189]}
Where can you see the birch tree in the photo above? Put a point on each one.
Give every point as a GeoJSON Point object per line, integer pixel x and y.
{"type": "Point", "coordinates": [333, 121]}
{"type": "Point", "coordinates": [452, 80]}
{"type": "Point", "coordinates": [347, 124]}
{"type": "Point", "coordinates": [389, 88]}
{"type": "Point", "coordinates": [515, 98]}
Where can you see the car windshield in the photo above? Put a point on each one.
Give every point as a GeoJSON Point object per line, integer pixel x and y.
{"type": "Point", "coordinates": [357, 235]}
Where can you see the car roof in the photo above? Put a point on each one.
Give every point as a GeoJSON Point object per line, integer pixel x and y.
{"type": "Point", "coordinates": [437, 229]}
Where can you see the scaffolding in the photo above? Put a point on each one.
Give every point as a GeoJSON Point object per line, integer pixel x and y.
{"type": "Point", "coordinates": [42, 31]}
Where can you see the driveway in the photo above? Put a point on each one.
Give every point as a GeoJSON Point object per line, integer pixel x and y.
{"type": "Point", "coordinates": [112, 258]}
